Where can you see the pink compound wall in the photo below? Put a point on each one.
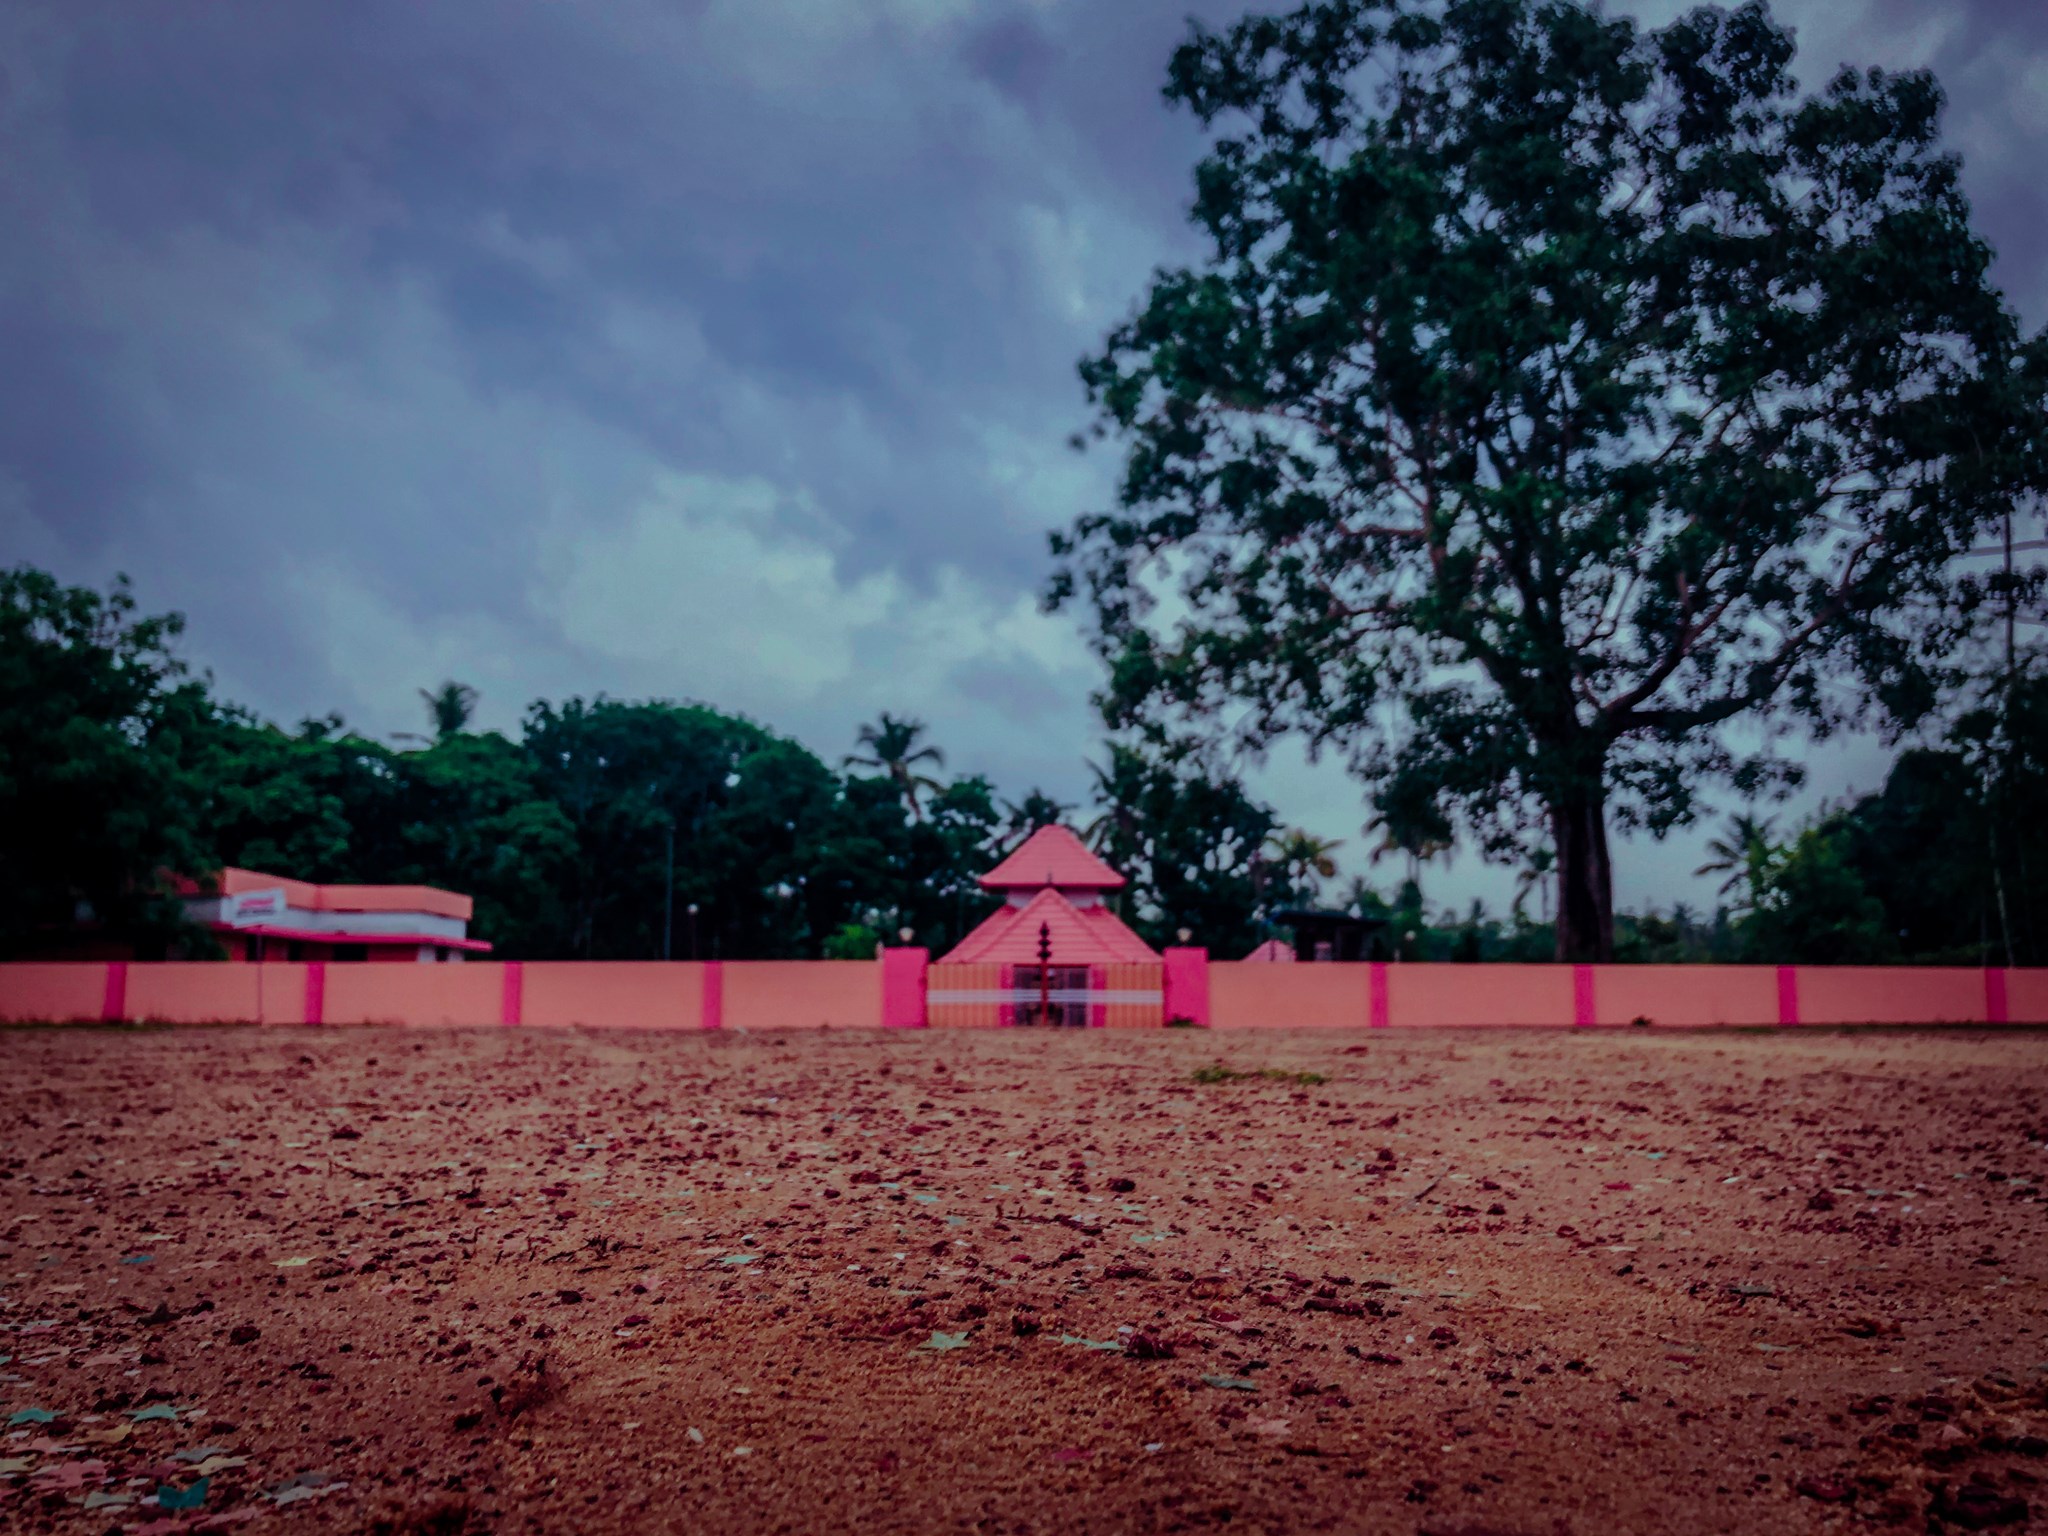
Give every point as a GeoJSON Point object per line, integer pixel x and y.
{"type": "Point", "coordinates": [687, 995]}
{"type": "Point", "coordinates": [411, 994]}
{"type": "Point", "coordinates": [802, 994]}
{"type": "Point", "coordinates": [1685, 994]}
{"type": "Point", "coordinates": [1305, 996]}
{"type": "Point", "coordinates": [649, 994]}
{"type": "Point", "coordinates": [58, 992]}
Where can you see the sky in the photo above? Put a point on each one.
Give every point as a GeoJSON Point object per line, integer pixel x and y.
{"type": "Point", "coordinates": [713, 349]}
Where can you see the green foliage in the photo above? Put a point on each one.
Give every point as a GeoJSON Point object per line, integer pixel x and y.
{"type": "Point", "coordinates": [1948, 863]}
{"type": "Point", "coordinates": [1024, 817]}
{"type": "Point", "coordinates": [1189, 841]}
{"type": "Point", "coordinates": [449, 708]}
{"type": "Point", "coordinates": [852, 941]}
{"type": "Point", "coordinates": [1217, 1072]}
{"type": "Point", "coordinates": [1812, 906]}
{"type": "Point", "coordinates": [101, 736]}
{"type": "Point", "coordinates": [1303, 861]}
{"type": "Point", "coordinates": [1558, 391]}
{"type": "Point", "coordinates": [1742, 854]}
{"type": "Point", "coordinates": [890, 746]}
{"type": "Point", "coordinates": [116, 767]}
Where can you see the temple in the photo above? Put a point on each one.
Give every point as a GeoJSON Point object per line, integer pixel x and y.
{"type": "Point", "coordinates": [1052, 883]}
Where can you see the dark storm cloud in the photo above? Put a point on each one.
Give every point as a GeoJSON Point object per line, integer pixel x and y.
{"type": "Point", "coordinates": [721, 347]}
{"type": "Point", "coordinates": [1991, 57]}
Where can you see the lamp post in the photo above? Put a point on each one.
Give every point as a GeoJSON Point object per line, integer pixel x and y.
{"type": "Point", "coordinates": [692, 910]}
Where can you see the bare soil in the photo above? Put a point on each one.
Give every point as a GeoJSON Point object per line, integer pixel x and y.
{"type": "Point", "coordinates": [471, 1281]}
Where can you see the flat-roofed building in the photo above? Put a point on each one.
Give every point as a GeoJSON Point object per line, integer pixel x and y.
{"type": "Point", "coordinates": [258, 916]}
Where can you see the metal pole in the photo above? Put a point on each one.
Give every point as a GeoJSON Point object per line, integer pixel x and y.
{"type": "Point", "coordinates": [668, 898]}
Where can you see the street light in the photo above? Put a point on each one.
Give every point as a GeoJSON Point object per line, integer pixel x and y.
{"type": "Point", "coordinates": [1185, 934]}
{"type": "Point", "coordinates": [905, 935]}
{"type": "Point", "coordinates": [692, 910]}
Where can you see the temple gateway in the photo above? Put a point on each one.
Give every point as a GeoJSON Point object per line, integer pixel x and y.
{"type": "Point", "coordinates": [1053, 953]}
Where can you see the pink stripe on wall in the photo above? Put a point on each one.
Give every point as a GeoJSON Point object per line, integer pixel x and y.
{"type": "Point", "coordinates": [512, 1002]}
{"type": "Point", "coordinates": [114, 999]}
{"type": "Point", "coordinates": [316, 992]}
{"type": "Point", "coordinates": [903, 987]}
{"type": "Point", "coordinates": [1584, 1011]}
{"type": "Point", "coordinates": [1184, 983]}
{"type": "Point", "coordinates": [1379, 1011]}
{"type": "Point", "coordinates": [1996, 1009]}
{"type": "Point", "coordinates": [713, 1014]}
{"type": "Point", "coordinates": [1788, 994]}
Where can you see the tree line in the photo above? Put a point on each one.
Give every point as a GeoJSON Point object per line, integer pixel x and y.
{"type": "Point", "coordinates": [612, 829]}
{"type": "Point", "coordinates": [602, 829]}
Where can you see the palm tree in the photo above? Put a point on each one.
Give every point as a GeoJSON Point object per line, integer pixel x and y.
{"type": "Point", "coordinates": [449, 708]}
{"type": "Point", "coordinates": [1542, 866]}
{"type": "Point", "coordinates": [1741, 852]}
{"type": "Point", "coordinates": [1421, 836]}
{"type": "Point", "coordinates": [892, 748]}
{"type": "Point", "coordinates": [1305, 857]}
{"type": "Point", "coordinates": [1360, 898]}
{"type": "Point", "coordinates": [1114, 829]}
{"type": "Point", "coordinates": [1035, 810]}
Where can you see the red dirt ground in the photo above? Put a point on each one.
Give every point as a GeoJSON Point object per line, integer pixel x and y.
{"type": "Point", "coordinates": [591, 1282]}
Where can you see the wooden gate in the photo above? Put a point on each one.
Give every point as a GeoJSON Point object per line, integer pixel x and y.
{"type": "Point", "coordinates": [1123, 996]}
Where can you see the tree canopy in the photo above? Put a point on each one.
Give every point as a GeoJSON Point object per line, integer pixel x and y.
{"type": "Point", "coordinates": [1554, 392]}
{"type": "Point", "coordinates": [100, 741]}
{"type": "Point", "coordinates": [581, 836]}
{"type": "Point", "coordinates": [118, 768]}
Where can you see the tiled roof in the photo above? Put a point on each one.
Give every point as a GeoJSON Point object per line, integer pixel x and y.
{"type": "Point", "coordinates": [1080, 936]}
{"type": "Point", "coordinates": [1052, 856]}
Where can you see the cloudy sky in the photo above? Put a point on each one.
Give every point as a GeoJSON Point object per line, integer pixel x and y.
{"type": "Point", "coordinates": [689, 348]}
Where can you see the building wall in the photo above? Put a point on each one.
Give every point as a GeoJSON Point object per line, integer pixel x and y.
{"type": "Point", "coordinates": [649, 994]}
{"type": "Point", "coordinates": [1298, 996]}
{"type": "Point", "coordinates": [802, 994]}
{"type": "Point", "coordinates": [410, 994]}
{"type": "Point", "coordinates": [1473, 994]}
{"type": "Point", "coordinates": [687, 995]}
{"type": "Point", "coordinates": [1252, 995]}
{"type": "Point", "coordinates": [1685, 994]}
{"type": "Point", "coordinates": [56, 991]}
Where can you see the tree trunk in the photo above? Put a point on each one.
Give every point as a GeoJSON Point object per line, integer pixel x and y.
{"type": "Point", "coordinates": [1585, 880]}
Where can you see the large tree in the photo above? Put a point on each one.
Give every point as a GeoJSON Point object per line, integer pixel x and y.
{"type": "Point", "coordinates": [101, 729]}
{"type": "Point", "coordinates": [1189, 839]}
{"type": "Point", "coordinates": [1554, 392]}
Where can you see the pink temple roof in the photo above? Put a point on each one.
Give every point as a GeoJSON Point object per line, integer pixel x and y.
{"type": "Point", "coordinates": [1080, 935]}
{"type": "Point", "coordinates": [1272, 952]}
{"type": "Point", "coordinates": [1053, 856]}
